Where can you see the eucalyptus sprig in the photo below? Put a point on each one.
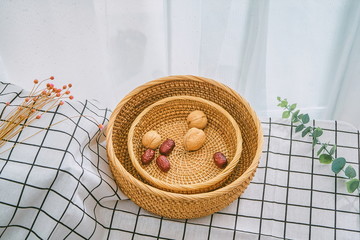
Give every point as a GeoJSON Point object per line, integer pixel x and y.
{"type": "Point", "coordinates": [326, 151]}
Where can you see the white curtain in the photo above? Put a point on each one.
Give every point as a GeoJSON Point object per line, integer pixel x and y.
{"type": "Point", "coordinates": [345, 95]}
{"type": "Point", "coordinates": [307, 51]}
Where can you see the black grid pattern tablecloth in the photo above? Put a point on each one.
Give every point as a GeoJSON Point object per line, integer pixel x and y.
{"type": "Point", "coordinates": [57, 184]}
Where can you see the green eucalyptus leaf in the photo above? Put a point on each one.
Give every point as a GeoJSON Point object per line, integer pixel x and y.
{"type": "Point", "coordinates": [325, 158]}
{"type": "Point", "coordinates": [295, 116]}
{"type": "Point", "coordinates": [305, 118]}
{"type": "Point", "coordinates": [293, 106]}
{"type": "Point", "coordinates": [317, 132]}
{"type": "Point", "coordinates": [278, 98]}
{"type": "Point", "coordinates": [315, 141]}
{"type": "Point", "coordinates": [352, 185]}
{"type": "Point", "coordinates": [338, 164]}
{"type": "Point", "coordinates": [332, 150]}
{"type": "Point", "coordinates": [299, 128]}
{"type": "Point", "coordinates": [284, 103]}
{"type": "Point", "coordinates": [286, 114]}
{"type": "Point", "coordinates": [306, 131]}
{"type": "Point", "coordinates": [294, 120]}
{"type": "Point", "coordinates": [321, 149]}
{"type": "Point", "coordinates": [296, 113]}
{"type": "Point", "coordinates": [350, 172]}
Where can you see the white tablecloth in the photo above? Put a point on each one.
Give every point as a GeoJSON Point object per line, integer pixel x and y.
{"type": "Point", "coordinates": [58, 185]}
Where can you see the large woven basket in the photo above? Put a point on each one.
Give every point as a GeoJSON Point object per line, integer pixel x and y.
{"type": "Point", "coordinates": [180, 205]}
{"type": "Point", "coordinates": [191, 171]}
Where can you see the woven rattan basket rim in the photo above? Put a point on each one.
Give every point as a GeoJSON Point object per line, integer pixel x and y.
{"type": "Point", "coordinates": [189, 187]}
{"type": "Point", "coordinates": [186, 197]}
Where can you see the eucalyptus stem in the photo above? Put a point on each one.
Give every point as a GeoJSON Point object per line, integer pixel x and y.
{"type": "Point", "coordinates": [37, 103]}
{"type": "Point", "coordinates": [325, 155]}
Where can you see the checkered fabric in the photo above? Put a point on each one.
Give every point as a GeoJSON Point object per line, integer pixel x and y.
{"type": "Point", "coordinates": [58, 185]}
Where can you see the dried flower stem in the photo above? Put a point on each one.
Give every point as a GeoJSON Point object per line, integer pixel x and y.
{"type": "Point", "coordinates": [39, 102]}
{"type": "Point", "coordinates": [45, 128]}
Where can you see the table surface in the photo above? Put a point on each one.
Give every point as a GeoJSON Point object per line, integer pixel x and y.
{"type": "Point", "coordinates": [57, 184]}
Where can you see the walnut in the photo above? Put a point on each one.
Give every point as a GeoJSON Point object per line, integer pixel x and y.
{"type": "Point", "coordinates": [197, 119]}
{"type": "Point", "coordinates": [194, 139]}
{"type": "Point", "coordinates": [151, 139]}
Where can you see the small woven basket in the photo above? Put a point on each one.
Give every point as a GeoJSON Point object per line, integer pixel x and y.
{"type": "Point", "coordinates": [190, 172]}
{"type": "Point", "coordinates": [180, 205]}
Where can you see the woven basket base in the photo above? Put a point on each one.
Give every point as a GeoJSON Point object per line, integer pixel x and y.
{"type": "Point", "coordinates": [174, 205]}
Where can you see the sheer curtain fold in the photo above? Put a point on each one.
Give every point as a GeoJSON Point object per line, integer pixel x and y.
{"type": "Point", "coordinates": [252, 74]}
{"type": "Point", "coordinates": [344, 96]}
{"type": "Point", "coordinates": [232, 46]}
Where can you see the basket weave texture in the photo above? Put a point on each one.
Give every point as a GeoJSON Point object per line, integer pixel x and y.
{"type": "Point", "coordinates": [180, 205]}
{"type": "Point", "coordinates": [191, 171]}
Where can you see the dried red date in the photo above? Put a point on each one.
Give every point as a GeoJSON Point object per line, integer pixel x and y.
{"type": "Point", "coordinates": [148, 156]}
{"type": "Point", "coordinates": [163, 163]}
{"type": "Point", "coordinates": [220, 160]}
{"type": "Point", "coordinates": [166, 147]}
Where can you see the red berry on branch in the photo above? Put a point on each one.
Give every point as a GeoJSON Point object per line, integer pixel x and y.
{"type": "Point", "coordinates": [71, 97]}
{"type": "Point", "coordinates": [38, 116]}
{"type": "Point", "coordinates": [51, 78]}
{"type": "Point", "coordinates": [36, 81]}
